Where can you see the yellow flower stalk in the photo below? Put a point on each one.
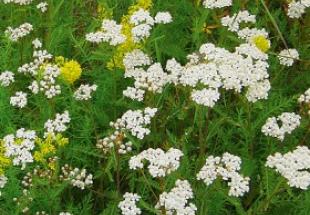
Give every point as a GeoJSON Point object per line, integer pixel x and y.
{"type": "Point", "coordinates": [4, 161]}
{"type": "Point", "coordinates": [71, 71]}
{"type": "Point", "coordinates": [261, 42]}
{"type": "Point", "coordinates": [129, 45]}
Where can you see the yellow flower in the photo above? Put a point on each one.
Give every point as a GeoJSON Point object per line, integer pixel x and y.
{"type": "Point", "coordinates": [4, 161]}
{"type": "Point", "coordinates": [59, 60]}
{"type": "Point", "coordinates": [261, 42]}
{"type": "Point", "coordinates": [71, 71]}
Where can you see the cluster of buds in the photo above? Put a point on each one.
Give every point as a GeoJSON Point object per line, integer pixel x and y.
{"type": "Point", "coordinates": [115, 141]}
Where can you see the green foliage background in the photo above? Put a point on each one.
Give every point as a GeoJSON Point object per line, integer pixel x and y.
{"type": "Point", "coordinates": [233, 125]}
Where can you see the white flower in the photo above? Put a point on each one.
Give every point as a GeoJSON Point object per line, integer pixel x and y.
{"type": "Point", "coordinates": [296, 9]}
{"type": "Point", "coordinates": [226, 167]}
{"type": "Point", "coordinates": [288, 56]}
{"type": "Point", "coordinates": [233, 23]}
{"type": "Point", "coordinates": [65, 213]}
{"type": "Point", "coordinates": [305, 98]}
{"type": "Point", "coordinates": [34, 87]}
{"type": "Point", "coordinates": [77, 177]}
{"type": "Point", "coordinates": [163, 18]}
{"type": "Point", "coordinates": [111, 33]}
{"type": "Point", "coordinates": [20, 2]}
{"type": "Point", "coordinates": [160, 163]}
{"type": "Point", "coordinates": [37, 43]}
{"type": "Point", "coordinates": [217, 3]}
{"type": "Point", "coordinates": [58, 125]}
{"type": "Point", "coordinates": [19, 100]}
{"type": "Point", "coordinates": [3, 181]}
{"type": "Point", "coordinates": [15, 34]}
{"type": "Point", "coordinates": [42, 6]}
{"type": "Point", "coordinates": [128, 205]}
{"type": "Point", "coordinates": [293, 166]}
{"type": "Point", "coordinates": [134, 93]}
{"type": "Point", "coordinates": [176, 201]}
{"type": "Point", "coordinates": [18, 146]}
{"type": "Point", "coordinates": [289, 122]}
{"type": "Point", "coordinates": [6, 78]}
{"type": "Point", "coordinates": [206, 97]}
{"type": "Point", "coordinates": [136, 58]}
{"type": "Point", "coordinates": [84, 92]}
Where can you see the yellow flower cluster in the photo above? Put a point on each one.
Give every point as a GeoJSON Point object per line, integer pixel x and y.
{"type": "Point", "coordinates": [4, 161]}
{"type": "Point", "coordinates": [48, 147]}
{"type": "Point", "coordinates": [70, 70]}
{"type": "Point", "coordinates": [261, 43]}
{"type": "Point", "coordinates": [129, 45]}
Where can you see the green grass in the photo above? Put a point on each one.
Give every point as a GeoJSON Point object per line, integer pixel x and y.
{"type": "Point", "coordinates": [233, 125]}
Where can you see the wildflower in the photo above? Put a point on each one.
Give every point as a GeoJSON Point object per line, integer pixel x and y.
{"type": "Point", "coordinates": [84, 92]}
{"type": "Point", "coordinates": [18, 146]}
{"type": "Point", "coordinates": [293, 166]}
{"type": "Point", "coordinates": [176, 201]}
{"type": "Point", "coordinates": [20, 2]}
{"type": "Point", "coordinates": [42, 6]}
{"type": "Point", "coordinates": [233, 23]}
{"type": "Point", "coordinates": [160, 163]}
{"type": "Point", "coordinates": [211, 4]}
{"type": "Point", "coordinates": [261, 43]}
{"type": "Point", "coordinates": [6, 78]}
{"type": "Point", "coordinates": [37, 43]}
{"type": "Point", "coordinates": [71, 71]}
{"type": "Point", "coordinates": [77, 177]}
{"type": "Point", "coordinates": [57, 125]}
{"type": "Point", "coordinates": [15, 34]}
{"type": "Point", "coordinates": [296, 8]}
{"type": "Point", "coordinates": [19, 100]}
{"type": "Point", "coordinates": [288, 56]}
{"type": "Point", "coordinates": [226, 167]}
{"type": "Point", "coordinates": [289, 122]}
{"type": "Point", "coordinates": [128, 205]}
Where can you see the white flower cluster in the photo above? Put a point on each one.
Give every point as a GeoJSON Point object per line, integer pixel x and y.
{"type": "Point", "coordinates": [42, 6]}
{"type": "Point", "coordinates": [78, 178]}
{"type": "Point", "coordinates": [294, 166]}
{"type": "Point", "coordinates": [6, 78]}
{"type": "Point", "coordinates": [58, 125]}
{"type": "Point", "coordinates": [227, 167]}
{"type": "Point", "coordinates": [305, 98]}
{"type": "Point", "coordinates": [233, 23]}
{"type": "Point", "coordinates": [48, 82]}
{"type": "Point", "coordinates": [211, 67]}
{"type": "Point", "coordinates": [128, 205]}
{"type": "Point", "coordinates": [288, 121]}
{"type": "Point", "coordinates": [84, 92]}
{"type": "Point", "coordinates": [20, 2]}
{"type": "Point", "coordinates": [19, 100]}
{"type": "Point", "coordinates": [18, 146]}
{"type": "Point", "coordinates": [65, 213]}
{"type": "Point", "coordinates": [176, 201]}
{"type": "Point", "coordinates": [135, 122]}
{"type": "Point", "coordinates": [15, 34]}
{"type": "Point", "coordinates": [296, 8]}
{"type": "Point", "coordinates": [160, 163]}
{"type": "Point", "coordinates": [217, 3]}
{"type": "Point", "coordinates": [110, 32]}
{"type": "Point", "coordinates": [116, 140]}
{"type": "Point", "coordinates": [288, 56]}
{"type": "Point", "coordinates": [143, 23]}
{"type": "Point", "coordinates": [3, 181]}
{"type": "Point", "coordinates": [40, 58]}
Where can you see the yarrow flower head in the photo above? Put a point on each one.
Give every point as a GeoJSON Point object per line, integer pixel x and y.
{"type": "Point", "coordinates": [110, 33]}
{"type": "Point", "coordinates": [15, 34]}
{"type": "Point", "coordinates": [227, 167]}
{"type": "Point", "coordinates": [20, 2]}
{"type": "Point", "coordinates": [77, 177]}
{"type": "Point", "coordinates": [177, 200]}
{"type": "Point", "coordinates": [6, 78]}
{"type": "Point", "coordinates": [18, 146]}
{"type": "Point", "coordinates": [293, 166]}
{"type": "Point", "coordinates": [289, 122]}
{"type": "Point", "coordinates": [128, 205]}
{"type": "Point", "coordinates": [58, 125]}
{"type": "Point", "coordinates": [19, 100]}
{"type": "Point", "coordinates": [160, 163]}
{"type": "Point", "coordinates": [296, 8]}
{"type": "Point", "coordinates": [42, 6]}
{"type": "Point", "coordinates": [288, 56]}
{"type": "Point", "coordinates": [84, 92]}
{"type": "Point", "coordinates": [211, 4]}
